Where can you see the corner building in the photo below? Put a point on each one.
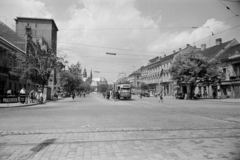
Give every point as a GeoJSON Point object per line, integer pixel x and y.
{"type": "Point", "coordinates": [41, 29]}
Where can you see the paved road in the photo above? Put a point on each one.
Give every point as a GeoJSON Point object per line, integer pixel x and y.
{"type": "Point", "coordinates": [96, 128]}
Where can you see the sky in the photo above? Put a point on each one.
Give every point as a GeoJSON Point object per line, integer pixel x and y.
{"type": "Point", "coordinates": [135, 30]}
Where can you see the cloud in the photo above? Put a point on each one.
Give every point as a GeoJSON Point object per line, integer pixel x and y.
{"type": "Point", "coordinates": [110, 23]}
{"type": "Point", "coordinates": [167, 42]}
{"type": "Point", "coordinates": [24, 8]}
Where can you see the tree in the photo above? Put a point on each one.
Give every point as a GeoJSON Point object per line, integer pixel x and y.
{"type": "Point", "coordinates": [144, 86]}
{"type": "Point", "coordinates": [89, 80]}
{"type": "Point", "coordinates": [102, 88]}
{"type": "Point", "coordinates": [85, 86]}
{"type": "Point", "coordinates": [194, 68]}
{"type": "Point", "coordinates": [39, 63]}
{"type": "Point", "coordinates": [71, 78]}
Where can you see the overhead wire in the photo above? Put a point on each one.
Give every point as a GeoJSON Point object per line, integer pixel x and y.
{"type": "Point", "coordinates": [147, 51]}
{"type": "Point", "coordinates": [228, 8]}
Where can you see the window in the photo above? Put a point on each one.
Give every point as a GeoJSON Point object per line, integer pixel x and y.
{"type": "Point", "coordinates": [126, 89]}
{"type": "Point", "coordinates": [224, 72]}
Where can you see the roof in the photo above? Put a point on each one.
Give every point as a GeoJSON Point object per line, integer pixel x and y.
{"type": "Point", "coordinates": [94, 84]}
{"type": "Point", "coordinates": [162, 59]}
{"type": "Point", "coordinates": [230, 52]}
{"type": "Point", "coordinates": [100, 79]}
{"type": "Point", "coordinates": [4, 42]}
{"type": "Point", "coordinates": [12, 37]}
{"type": "Point", "coordinates": [211, 52]}
{"type": "Point", "coordinates": [137, 72]}
{"type": "Point", "coordinates": [39, 19]}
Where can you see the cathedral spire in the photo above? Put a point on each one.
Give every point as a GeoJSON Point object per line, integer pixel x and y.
{"type": "Point", "coordinates": [91, 74]}
{"type": "Point", "coordinates": [84, 73]}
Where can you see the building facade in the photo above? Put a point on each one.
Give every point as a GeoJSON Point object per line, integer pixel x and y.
{"type": "Point", "coordinates": [156, 73]}
{"type": "Point", "coordinates": [42, 30]}
{"type": "Point", "coordinates": [230, 85]}
{"type": "Point", "coordinates": [135, 81]}
{"type": "Point", "coordinates": [220, 52]}
{"type": "Point", "coordinates": [12, 53]}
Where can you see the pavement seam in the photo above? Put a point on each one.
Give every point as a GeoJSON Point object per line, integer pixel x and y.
{"type": "Point", "coordinates": [4, 133]}
{"type": "Point", "coordinates": [128, 140]}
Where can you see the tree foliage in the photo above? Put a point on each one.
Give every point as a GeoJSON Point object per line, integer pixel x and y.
{"type": "Point", "coordinates": [39, 63]}
{"type": "Point", "coordinates": [102, 88]}
{"type": "Point", "coordinates": [85, 86]}
{"type": "Point", "coordinates": [194, 68]}
{"type": "Point", "coordinates": [71, 78]}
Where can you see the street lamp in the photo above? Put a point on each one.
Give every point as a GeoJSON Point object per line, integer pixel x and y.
{"type": "Point", "coordinates": [109, 53]}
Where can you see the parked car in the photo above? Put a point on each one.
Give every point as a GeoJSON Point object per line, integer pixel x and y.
{"type": "Point", "coordinates": [145, 94]}
{"type": "Point", "coordinates": [179, 96]}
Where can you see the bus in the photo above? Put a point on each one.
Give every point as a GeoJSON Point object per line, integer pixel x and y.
{"type": "Point", "coordinates": [123, 90]}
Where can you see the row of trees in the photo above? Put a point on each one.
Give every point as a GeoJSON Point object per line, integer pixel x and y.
{"type": "Point", "coordinates": [193, 69]}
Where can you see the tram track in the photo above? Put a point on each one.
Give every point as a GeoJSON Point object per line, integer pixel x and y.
{"type": "Point", "coordinates": [9, 133]}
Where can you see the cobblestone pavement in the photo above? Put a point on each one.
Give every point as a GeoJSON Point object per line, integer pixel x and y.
{"type": "Point", "coordinates": [141, 129]}
{"type": "Point", "coordinates": [215, 143]}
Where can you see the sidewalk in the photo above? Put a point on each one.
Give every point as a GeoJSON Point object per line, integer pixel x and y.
{"type": "Point", "coordinates": [224, 100]}
{"type": "Point", "coordinates": [13, 105]}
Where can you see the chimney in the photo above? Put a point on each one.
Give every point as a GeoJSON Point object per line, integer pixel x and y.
{"type": "Point", "coordinates": [188, 45]}
{"type": "Point", "coordinates": [160, 57]}
{"type": "Point", "coordinates": [164, 55]}
{"type": "Point", "coordinates": [174, 51]}
{"type": "Point", "coordinates": [203, 47]}
{"type": "Point", "coordinates": [218, 41]}
{"type": "Point", "coordinates": [180, 49]}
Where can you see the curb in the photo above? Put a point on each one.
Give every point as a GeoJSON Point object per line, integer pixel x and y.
{"type": "Point", "coordinates": [29, 104]}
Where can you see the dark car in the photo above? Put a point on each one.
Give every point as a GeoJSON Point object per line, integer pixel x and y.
{"type": "Point", "coordinates": [145, 94]}
{"type": "Point", "coordinates": [179, 96]}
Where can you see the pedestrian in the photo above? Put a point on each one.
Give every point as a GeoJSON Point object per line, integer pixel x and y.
{"type": "Point", "coordinates": [84, 93]}
{"type": "Point", "coordinates": [73, 95]}
{"type": "Point", "coordinates": [161, 97]}
{"type": "Point", "coordinates": [31, 95]}
{"type": "Point", "coordinates": [205, 94]}
{"type": "Point", "coordinates": [108, 94]}
{"type": "Point", "coordinates": [219, 94]}
{"type": "Point", "coordinates": [111, 93]}
{"type": "Point", "coordinates": [214, 94]}
{"type": "Point", "coordinates": [41, 97]}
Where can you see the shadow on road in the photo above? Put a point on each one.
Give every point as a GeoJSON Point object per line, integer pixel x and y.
{"type": "Point", "coordinates": [43, 145]}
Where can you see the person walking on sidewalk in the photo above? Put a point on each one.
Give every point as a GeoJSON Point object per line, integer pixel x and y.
{"type": "Point", "coordinates": [160, 97]}
{"type": "Point", "coordinates": [219, 94]}
{"type": "Point", "coordinates": [73, 95]}
{"type": "Point", "coordinates": [84, 93]}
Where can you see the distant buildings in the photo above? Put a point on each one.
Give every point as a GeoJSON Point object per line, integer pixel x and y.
{"type": "Point", "coordinates": [157, 76]}
{"type": "Point", "coordinates": [97, 81]}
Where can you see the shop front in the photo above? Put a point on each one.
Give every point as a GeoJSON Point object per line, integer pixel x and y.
{"type": "Point", "coordinates": [231, 88]}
